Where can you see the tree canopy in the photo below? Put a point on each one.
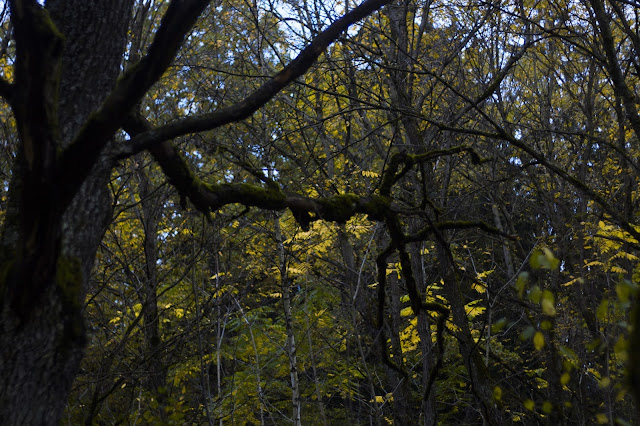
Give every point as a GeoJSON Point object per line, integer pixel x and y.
{"type": "Point", "coordinates": [258, 212]}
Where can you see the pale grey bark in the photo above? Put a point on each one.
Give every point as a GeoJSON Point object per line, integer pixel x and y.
{"type": "Point", "coordinates": [288, 319]}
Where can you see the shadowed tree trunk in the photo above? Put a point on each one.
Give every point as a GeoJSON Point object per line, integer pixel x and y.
{"type": "Point", "coordinates": [51, 232]}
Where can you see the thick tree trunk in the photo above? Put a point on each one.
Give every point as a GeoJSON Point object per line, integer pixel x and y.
{"type": "Point", "coordinates": [49, 245]}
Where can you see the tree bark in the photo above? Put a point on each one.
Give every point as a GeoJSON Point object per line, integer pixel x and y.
{"type": "Point", "coordinates": [48, 248]}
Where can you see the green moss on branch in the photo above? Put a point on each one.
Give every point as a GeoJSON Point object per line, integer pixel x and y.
{"type": "Point", "coordinates": [268, 197]}
{"type": "Point", "coordinates": [338, 208]}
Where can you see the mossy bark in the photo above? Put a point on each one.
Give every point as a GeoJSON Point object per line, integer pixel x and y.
{"type": "Point", "coordinates": [51, 231]}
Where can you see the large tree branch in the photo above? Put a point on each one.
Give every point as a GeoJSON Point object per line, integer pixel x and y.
{"type": "Point", "coordinates": [262, 95]}
{"type": "Point", "coordinates": [34, 101]}
{"type": "Point", "coordinates": [79, 158]}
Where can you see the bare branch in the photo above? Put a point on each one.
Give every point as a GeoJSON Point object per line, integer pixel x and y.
{"type": "Point", "coordinates": [262, 95]}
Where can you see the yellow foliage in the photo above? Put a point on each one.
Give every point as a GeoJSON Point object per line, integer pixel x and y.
{"type": "Point", "coordinates": [370, 174]}
{"type": "Point", "coordinates": [472, 310]}
{"type": "Point", "coordinates": [409, 338]}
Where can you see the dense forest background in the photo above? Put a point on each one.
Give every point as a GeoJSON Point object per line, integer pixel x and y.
{"type": "Point", "coordinates": [472, 253]}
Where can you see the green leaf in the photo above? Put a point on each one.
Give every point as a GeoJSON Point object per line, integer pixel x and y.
{"type": "Point", "coordinates": [498, 325]}
{"type": "Point", "coordinates": [569, 355]}
{"type": "Point", "coordinates": [544, 259]}
{"type": "Point", "coordinates": [602, 310]}
{"type": "Point", "coordinates": [546, 325]}
{"type": "Point", "coordinates": [625, 289]}
{"type": "Point", "coordinates": [621, 349]}
{"type": "Point", "coordinates": [527, 333]}
{"type": "Point", "coordinates": [535, 294]}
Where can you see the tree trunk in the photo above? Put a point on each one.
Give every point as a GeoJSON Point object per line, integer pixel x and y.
{"type": "Point", "coordinates": [150, 216]}
{"type": "Point", "coordinates": [291, 347]}
{"type": "Point", "coordinates": [49, 243]}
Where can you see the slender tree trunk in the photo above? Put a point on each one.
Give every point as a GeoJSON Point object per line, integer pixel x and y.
{"type": "Point", "coordinates": [288, 319]}
{"type": "Point", "coordinates": [478, 375]}
{"type": "Point", "coordinates": [400, 389]}
{"type": "Point", "coordinates": [424, 331]}
{"type": "Point", "coordinates": [156, 379]}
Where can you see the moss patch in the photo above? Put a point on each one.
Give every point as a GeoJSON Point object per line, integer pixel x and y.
{"type": "Point", "coordinates": [376, 207]}
{"type": "Point", "coordinates": [339, 208]}
{"type": "Point", "coordinates": [69, 285]}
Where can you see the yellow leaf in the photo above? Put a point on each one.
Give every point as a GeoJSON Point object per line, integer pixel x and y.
{"type": "Point", "coordinates": [478, 287]}
{"type": "Point", "coordinates": [529, 404]}
{"type": "Point", "coordinates": [406, 312]}
{"type": "Point", "coordinates": [535, 294]}
{"type": "Point", "coordinates": [618, 270]}
{"type": "Point", "coordinates": [369, 174]}
{"type": "Point", "coordinates": [573, 281]}
{"type": "Point", "coordinates": [548, 303]}
{"type": "Point", "coordinates": [620, 396]}
{"type": "Point", "coordinates": [497, 393]}
{"type": "Point", "coordinates": [485, 273]}
{"type": "Point", "coordinates": [538, 340]}
{"type": "Point", "coordinates": [603, 309]}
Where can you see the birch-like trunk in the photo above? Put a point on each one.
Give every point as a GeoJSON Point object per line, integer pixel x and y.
{"type": "Point", "coordinates": [291, 340]}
